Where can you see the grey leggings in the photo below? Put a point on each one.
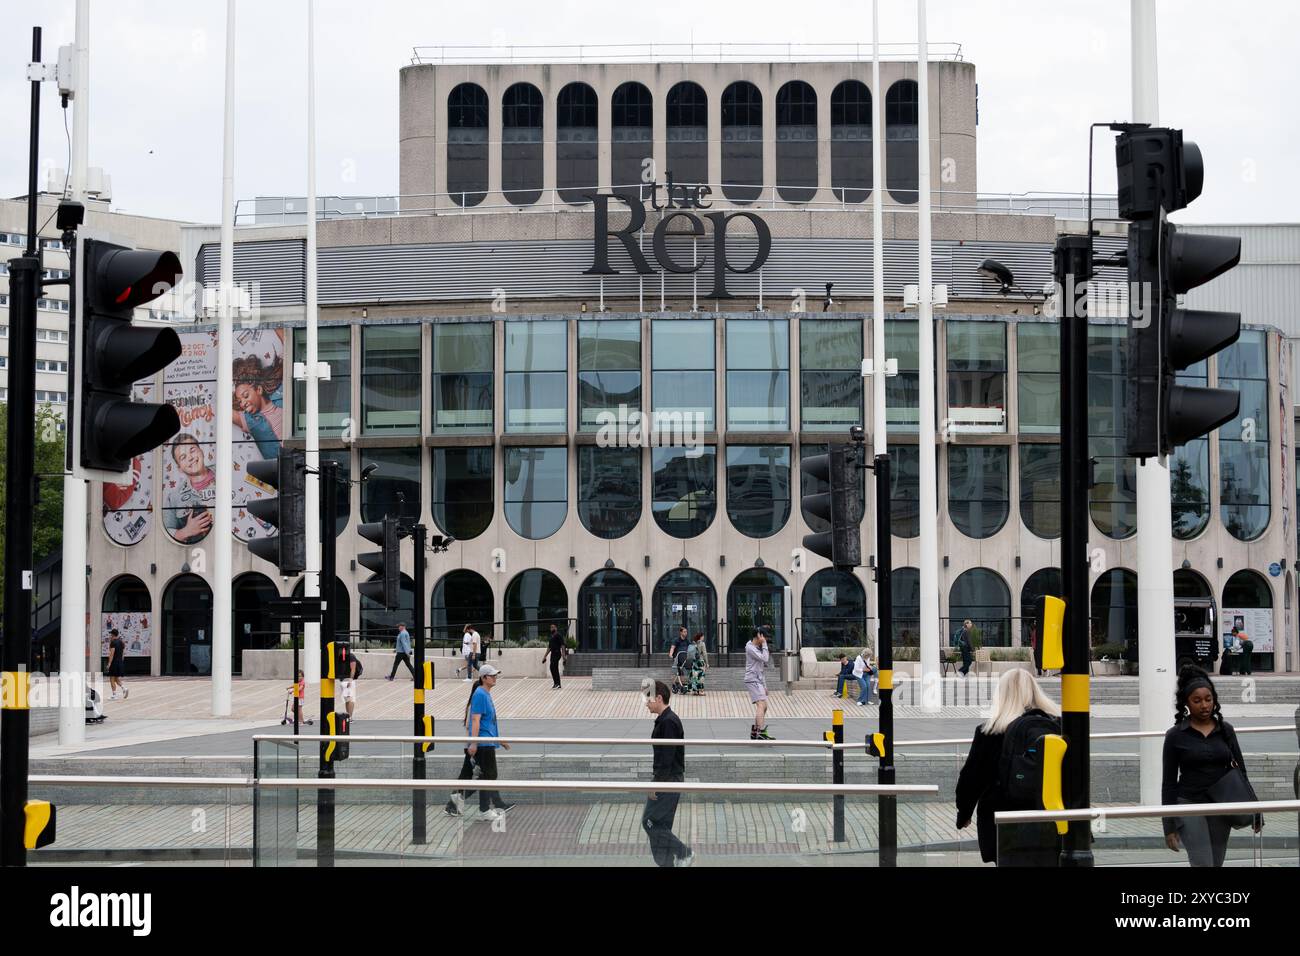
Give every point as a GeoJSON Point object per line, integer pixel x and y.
{"type": "Point", "coordinates": [1204, 838]}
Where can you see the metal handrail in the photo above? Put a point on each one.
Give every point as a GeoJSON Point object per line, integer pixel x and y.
{"type": "Point", "coordinates": [1140, 812]}
{"type": "Point", "coordinates": [386, 783]}
{"type": "Point", "coordinates": [1109, 735]}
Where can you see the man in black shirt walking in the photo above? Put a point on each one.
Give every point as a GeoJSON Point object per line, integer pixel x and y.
{"type": "Point", "coordinates": [555, 651]}
{"type": "Point", "coordinates": [669, 767]}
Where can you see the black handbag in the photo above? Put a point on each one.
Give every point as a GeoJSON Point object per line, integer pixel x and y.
{"type": "Point", "coordinates": [1234, 787]}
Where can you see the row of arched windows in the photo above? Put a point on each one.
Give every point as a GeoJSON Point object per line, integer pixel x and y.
{"type": "Point", "coordinates": [742, 176]}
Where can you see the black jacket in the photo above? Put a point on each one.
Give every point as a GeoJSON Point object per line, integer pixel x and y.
{"type": "Point", "coordinates": [979, 794]}
{"type": "Point", "coordinates": [669, 762]}
{"type": "Point", "coordinates": [1193, 763]}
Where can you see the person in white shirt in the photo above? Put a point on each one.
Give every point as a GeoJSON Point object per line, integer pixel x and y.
{"type": "Point", "coordinates": [471, 645]}
{"type": "Point", "coordinates": [862, 672]}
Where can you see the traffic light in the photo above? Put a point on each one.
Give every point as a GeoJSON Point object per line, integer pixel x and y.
{"type": "Point", "coordinates": [841, 505]}
{"type": "Point", "coordinates": [287, 511]}
{"type": "Point", "coordinates": [1158, 174]}
{"type": "Point", "coordinates": [110, 429]}
{"type": "Point", "coordinates": [386, 563]}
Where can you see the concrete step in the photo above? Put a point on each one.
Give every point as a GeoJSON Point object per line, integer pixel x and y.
{"type": "Point", "coordinates": [717, 678]}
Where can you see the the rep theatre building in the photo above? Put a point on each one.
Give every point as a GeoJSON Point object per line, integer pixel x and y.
{"type": "Point", "coordinates": [592, 339]}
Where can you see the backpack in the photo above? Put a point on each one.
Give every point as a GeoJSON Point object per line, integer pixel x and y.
{"type": "Point", "coordinates": [1020, 769]}
{"type": "Point", "coordinates": [357, 657]}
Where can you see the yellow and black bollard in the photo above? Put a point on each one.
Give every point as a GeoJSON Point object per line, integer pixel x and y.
{"type": "Point", "coordinates": [836, 735]}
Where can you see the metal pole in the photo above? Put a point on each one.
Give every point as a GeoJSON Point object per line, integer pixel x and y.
{"type": "Point", "coordinates": [311, 496]}
{"type": "Point", "coordinates": [72, 624]}
{"type": "Point", "coordinates": [837, 772]}
{"type": "Point", "coordinates": [325, 797]}
{"type": "Point", "coordinates": [20, 453]}
{"type": "Point", "coordinates": [1156, 667]}
{"type": "Point", "coordinates": [887, 805]}
{"type": "Point", "coordinates": [222, 569]}
{"type": "Point", "coordinates": [419, 534]}
{"type": "Point", "coordinates": [879, 436]}
{"type": "Point", "coordinates": [929, 562]}
{"type": "Point", "coordinates": [1073, 268]}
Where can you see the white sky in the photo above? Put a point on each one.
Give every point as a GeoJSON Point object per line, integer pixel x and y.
{"type": "Point", "coordinates": [1228, 75]}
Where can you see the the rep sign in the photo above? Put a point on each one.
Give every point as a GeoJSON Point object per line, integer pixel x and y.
{"type": "Point", "coordinates": [681, 200]}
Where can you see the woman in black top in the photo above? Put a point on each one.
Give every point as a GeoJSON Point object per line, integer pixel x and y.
{"type": "Point", "coordinates": [979, 784]}
{"type": "Point", "coordinates": [1199, 749]}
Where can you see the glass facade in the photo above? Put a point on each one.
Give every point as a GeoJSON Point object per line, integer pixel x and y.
{"type": "Point", "coordinates": [796, 141]}
{"type": "Point", "coordinates": [757, 598]}
{"type": "Point", "coordinates": [334, 346]}
{"type": "Point", "coordinates": [682, 363]}
{"type": "Point", "coordinates": [394, 487]}
{"type": "Point", "coordinates": [462, 502]}
{"type": "Point", "coordinates": [977, 373]}
{"type": "Point", "coordinates": [685, 489]}
{"type": "Point", "coordinates": [1038, 383]}
{"type": "Point", "coordinates": [758, 488]}
{"type": "Point", "coordinates": [742, 142]}
{"type": "Point", "coordinates": [903, 391]}
{"type": "Point", "coordinates": [537, 388]}
{"type": "Point", "coordinates": [576, 144]}
{"type": "Point", "coordinates": [609, 612]}
{"type": "Point", "coordinates": [1189, 472]}
{"type": "Point", "coordinates": [535, 599]}
{"type": "Point", "coordinates": [834, 610]}
{"type": "Point", "coordinates": [758, 375]}
{"type": "Point", "coordinates": [609, 371]}
{"type": "Point", "coordinates": [1113, 500]}
{"type": "Point", "coordinates": [1243, 443]}
{"type": "Point", "coordinates": [462, 378]}
{"type": "Point", "coordinates": [981, 596]}
{"type": "Point", "coordinates": [390, 379]}
{"type": "Point", "coordinates": [536, 490]}
{"type": "Point", "coordinates": [905, 490]}
{"type": "Point", "coordinates": [830, 374]}
{"type": "Point", "coordinates": [521, 144]}
{"type": "Point", "coordinates": [460, 597]}
{"type": "Point", "coordinates": [1115, 612]}
{"type": "Point", "coordinates": [609, 490]}
{"type": "Point", "coordinates": [1040, 489]}
{"type": "Point", "coordinates": [851, 141]}
{"type": "Point", "coordinates": [979, 486]}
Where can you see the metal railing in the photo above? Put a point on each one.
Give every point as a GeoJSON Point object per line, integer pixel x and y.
{"type": "Point", "coordinates": [1003, 817]}
{"type": "Point", "coordinates": [679, 53]}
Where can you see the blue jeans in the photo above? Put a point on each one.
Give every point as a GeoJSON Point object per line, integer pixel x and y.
{"type": "Point", "coordinates": [839, 685]}
{"type": "Point", "coordinates": [864, 688]}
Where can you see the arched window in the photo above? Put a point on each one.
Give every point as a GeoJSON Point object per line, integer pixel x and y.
{"type": "Point", "coordinates": [742, 142]}
{"type": "Point", "coordinates": [609, 612]}
{"type": "Point", "coordinates": [632, 135]}
{"type": "Point", "coordinates": [187, 626]}
{"type": "Point", "coordinates": [342, 604]}
{"type": "Point", "coordinates": [906, 590]}
{"type": "Point", "coordinates": [460, 597]}
{"type": "Point", "coordinates": [905, 490]}
{"type": "Point", "coordinates": [1247, 606]}
{"type": "Point", "coordinates": [521, 144]}
{"type": "Point", "coordinates": [758, 488]}
{"type": "Point", "coordinates": [685, 598]}
{"type": "Point", "coordinates": [796, 141]}
{"type": "Point", "coordinates": [688, 134]}
{"type": "Point", "coordinates": [834, 610]}
{"type": "Point", "coordinates": [1113, 499]}
{"type": "Point", "coordinates": [1040, 489]}
{"type": "Point", "coordinates": [685, 482]}
{"type": "Point", "coordinates": [979, 488]}
{"type": "Point", "coordinates": [536, 490]}
{"type": "Point", "coordinates": [467, 144]}
{"type": "Point", "coordinates": [1042, 583]}
{"type": "Point", "coordinates": [1194, 615]}
{"type": "Point", "coordinates": [609, 490]}
{"type": "Point", "coordinates": [851, 141]}
{"type": "Point", "coordinates": [902, 141]}
{"type": "Point", "coordinates": [1115, 612]}
{"type": "Point", "coordinates": [127, 607]}
{"type": "Point", "coordinates": [1243, 458]}
{"type": "Point", "coordinates": [576, 143]}
{"type": "Point", "coordinates": [254, 629]}
{"type": "Point", "coordinates": [378, 624]}
{"type": "Point", "coordinates": [756, 597]}
{"type": "Point", "coordinates": [535, 599]}
{"type": "Point", "coordinates": [394, 487]}
{"type": "Point", "coordinates": [981, 596]}
{"type": "Point", "coordinates": [462, 490]}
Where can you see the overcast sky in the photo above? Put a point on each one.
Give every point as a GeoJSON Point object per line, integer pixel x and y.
{"type": "Point", "coordinates": [1228, 75]}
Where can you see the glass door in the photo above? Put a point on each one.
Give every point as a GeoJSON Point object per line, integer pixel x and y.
{"type": "Point", "coordinates": [751, 607]}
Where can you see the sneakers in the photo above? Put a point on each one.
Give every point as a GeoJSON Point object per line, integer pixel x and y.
{"type": "Point", "coordinates": [686, 860]}
{"type": "Point", "coordinates": [388, 677]}
{"type": "Point", "coordinates": [490, 815]}
{"type": "Point", "coordinates": [450, 810]}
{"type": "Point", "coordinates": [126, 692]}
{"type": "Point", "coordinates": [506, 807]}
{"type": "Point", "coordinates": [756, 734]}
{"type": "Point", "coordinates": [467, 680]}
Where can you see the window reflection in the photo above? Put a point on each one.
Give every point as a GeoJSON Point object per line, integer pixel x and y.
{"type": "Point", "coordinates": [609, 370]}
{"type": "Point", "coordinates": [1038, 392]}
{"type": "Point", "coordinates": [390, 379]}
{"type": "Point", "coordinates": [462, 491]}
{"type": "Point", "coordinates": [536, 382]}
{"type": "Point", "coordinates": [758, 380]}
{"type": "Point", "coordinates": [903, 391]}
{"type": "Point", "coordinates": [334, 346]}
{"type": "Point", "coordinates": [977, 373]}
{"type": "Point", "coordinates": [682, 364]}
{"type": "Point", "coordinates": [1040, 489]}
{"type": "Point", "coordinates": [758, 488]}
{"type": "Point", "coordinates": [830, 374]}
{"type": "Point", "coordinates": [394, 487]}
{"type": "Point", "coordinates": [978, 488]}
{"type": "Point", "coordinates": [609, 490]}
{"type": "Point", "coordinates": [1243, 442]}
{"type": "Point", "coordinates": [982, 596]}
{"type": "Point", "coordinates": [685, 489]}
{"type": "Point", "coordinates": [1113, 498]}
{"type": "Point", "coordinates": [462, 378]}
{"type": "Point", "coordinates": [536, 490]}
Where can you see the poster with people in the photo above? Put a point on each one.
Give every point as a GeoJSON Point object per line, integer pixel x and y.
{"type": "Point", "coordinates": [128, 508]}
{"type": "Point", "coordinates": [257, 410]}
{"type": "Point", "coordinates": [133, 627]}
{"type": "Point", "coordinates": [1255, 622]}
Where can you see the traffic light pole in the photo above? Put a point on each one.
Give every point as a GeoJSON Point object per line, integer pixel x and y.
{"type": "Point", "coordinates": [329, 481]}
{"type": "Point", "coordinates": [20, 453]}
{"type": "Point", "coordinates": [888, 805]}
{"type": "Point", "coordinates": [420, 535]}
{"type": "Point", "coordinates": [1073, 268]}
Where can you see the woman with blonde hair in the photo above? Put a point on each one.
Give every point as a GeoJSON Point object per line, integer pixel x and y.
{"type": "Point", "coordinates": [1021, 711]}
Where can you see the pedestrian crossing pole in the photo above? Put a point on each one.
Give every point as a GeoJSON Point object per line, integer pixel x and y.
{"type": "Point", "coordinates": [881, 744]}
{"type": "Point", "coordinates": [420, 683]}
{"type": "Point", "coordinates": [836, 736]}
{"type": "Point", "coordinates": [325, 798]}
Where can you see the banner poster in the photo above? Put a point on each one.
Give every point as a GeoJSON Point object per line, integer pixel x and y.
{"type": "Point", "coordinates": [135, 630]}
{"type": "Point", "coordinates": [128, 508]}
{"type": "Point", "coordinates": [1257, 622]}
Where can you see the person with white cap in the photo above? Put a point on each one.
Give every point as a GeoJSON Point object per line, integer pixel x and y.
{"type": "Point", "coordinates": [481, 758]}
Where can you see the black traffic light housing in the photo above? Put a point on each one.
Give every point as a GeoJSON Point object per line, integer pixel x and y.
{"type": "Point", "coordinates": [841, 505]}
{"type": "Point", "coordinates": [385, 563]}
{"type": "Point", "coordinates": [113, 355]}
{"type": "Point", "coordinates": [287, 511]}
{"type": "Point", "coordinates": [1158, 174]}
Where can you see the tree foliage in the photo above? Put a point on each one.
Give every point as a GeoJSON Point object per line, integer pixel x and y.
{"type": "Point", "coordinates": [47, 526]}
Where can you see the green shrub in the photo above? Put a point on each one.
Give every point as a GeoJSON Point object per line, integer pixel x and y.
{"type": "Point", "coordinates": [535, 642]}
{"type": "Point", "coordinates": [570, 642]}
{"type": "Point", "coordinates": [1010, 654]}
{"type": "Point", "coordinates": [907, 653]}
{"type": "Point", "coordinates": [831, 654]}
{"type": "Point", "coordinates": [1112, 651]}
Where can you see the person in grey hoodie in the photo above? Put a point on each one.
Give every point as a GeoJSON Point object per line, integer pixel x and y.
{"type": "Point", "coordinates": [756, 658]}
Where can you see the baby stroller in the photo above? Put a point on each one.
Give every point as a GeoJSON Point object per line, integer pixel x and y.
{"type": "Point", "coordinates": [695, 676]}
{"type": "Point", "coordinates": [288, 709]}
{"type": "Point", "coordinates": [94, 707]}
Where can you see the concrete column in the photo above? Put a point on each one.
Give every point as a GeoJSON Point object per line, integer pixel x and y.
{"type": "Point", "coordinates": [714, 91]}
{"type": "Point", "coordinates": [494, 196]}
{"type": "Point", "coordinates": [549, 195]}
{"type": "Point", "coordinates": [824, 186]}
{"type": "Point", "coordinates": [769, 195]}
